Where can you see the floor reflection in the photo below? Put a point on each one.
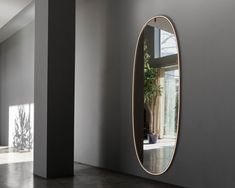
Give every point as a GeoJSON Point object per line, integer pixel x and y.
{"type": "Point", "coordinates": [158, 156]}
{"type": "Point", "coordinates": [11, 155]}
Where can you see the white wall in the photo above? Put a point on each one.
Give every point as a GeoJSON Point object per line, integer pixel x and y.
{"type": "Point", "coordinates": [17, 74]}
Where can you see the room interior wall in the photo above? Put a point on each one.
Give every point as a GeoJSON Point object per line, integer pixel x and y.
{"type": "Point", "coordinates": [107, 32]}
{"type": "Point", "coordinates": [17, 74]}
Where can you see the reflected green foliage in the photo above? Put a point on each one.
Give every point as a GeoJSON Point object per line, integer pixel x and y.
{"type": "Point", "coordinates": [151, 87]}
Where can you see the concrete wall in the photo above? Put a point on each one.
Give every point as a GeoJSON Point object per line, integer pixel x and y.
{"type": "Point", "coordinates": [107, 31]}
{"type": "Point", "coordinates": [16, 74]}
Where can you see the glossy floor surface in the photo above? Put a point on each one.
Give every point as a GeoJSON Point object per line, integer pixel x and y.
{"type": "Point", "coordinates": [158, 156]}
{"type": "Point", "coordinates": [11, 155]}
{"type": "Point", "coordinates": [157, 160]}
{"type": "Point", "coordinates": [19, 175]}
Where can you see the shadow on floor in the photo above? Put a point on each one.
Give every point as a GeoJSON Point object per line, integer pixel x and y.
{"type": "Point", "coordinates": [20, 175]}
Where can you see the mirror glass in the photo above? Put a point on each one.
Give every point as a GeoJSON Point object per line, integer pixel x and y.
{"type": "Point", "coordinates": [156, 95]}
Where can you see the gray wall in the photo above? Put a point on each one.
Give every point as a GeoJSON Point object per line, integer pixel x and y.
{"type": "Point", "coordinates": [107, 31]}
{"type": "Point", "coordinates": [16, 74]}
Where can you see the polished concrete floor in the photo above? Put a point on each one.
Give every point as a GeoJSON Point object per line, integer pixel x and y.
{"type": "Point", "coordinates": [20, 175]}
{"type": "Point", "coordinates": [157, 160]}
{"type": "Point", "coordinates": [158, 156]}
{"type": "Point", "coordinates": [11, 155]}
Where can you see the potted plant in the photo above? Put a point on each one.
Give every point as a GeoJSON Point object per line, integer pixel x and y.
{"type": "Point", "coordinates": [151, 90]}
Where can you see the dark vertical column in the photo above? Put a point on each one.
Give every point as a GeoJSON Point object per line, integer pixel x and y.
{"type": "Point", "coordinates": [149, 38]}
{"type": "Point", "coordinates": [139, 98]}
{"type": "Point", "coordinates": [54, 88]}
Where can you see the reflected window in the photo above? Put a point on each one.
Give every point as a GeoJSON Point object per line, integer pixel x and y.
{"type": "Point", "coordinates": [164, 43]}
{"type": "Point", "coordinates": [168, 43]}
{"type": "Point", "coordinates": [171, 84]}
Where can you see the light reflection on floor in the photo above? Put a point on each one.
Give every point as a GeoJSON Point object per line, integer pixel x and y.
{"type": "Point", "coordinates": [10, 155]}
{"type": "Point", "coordinates": [159, 144]}
{"type": "Point", "coordinates": [158, 156]}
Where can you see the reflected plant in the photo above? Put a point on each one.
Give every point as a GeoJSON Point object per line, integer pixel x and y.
{"type": "Point", "coordinates": [152, 88]}
{"type": "Point", "coordinates": [22, 139]}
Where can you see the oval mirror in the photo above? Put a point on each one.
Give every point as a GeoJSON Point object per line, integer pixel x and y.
{"type": "Point", "coordinates": [156, 95]}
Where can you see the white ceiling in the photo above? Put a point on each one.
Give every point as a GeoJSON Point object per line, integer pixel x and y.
{"type": "Point", "coordinates": [10, 8]}
{"type": "Point", "coordinates": [161, 23]}
{"type": "Point", "coordinates": [15, 15]}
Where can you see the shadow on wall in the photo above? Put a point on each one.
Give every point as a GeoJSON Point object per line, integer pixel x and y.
{"type": "Point", "coordinates": [111, 93]}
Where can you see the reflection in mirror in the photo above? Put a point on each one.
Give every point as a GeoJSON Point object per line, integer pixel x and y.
{"type": "Point", "coordinates": [156, 97]}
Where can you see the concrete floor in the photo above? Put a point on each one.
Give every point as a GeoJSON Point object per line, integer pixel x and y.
{"type": "Point", "coordinates": [19, 175]}
{"type": "Point", "coordinates": [157, 160]}
{"type": "Point", "coordinates": [11, 155]}
{"type": "Point", "coordinates": [158, 156]}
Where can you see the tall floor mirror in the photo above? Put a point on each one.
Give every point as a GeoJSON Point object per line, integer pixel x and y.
{"type": "Point", "coordinates": [156, 95]}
